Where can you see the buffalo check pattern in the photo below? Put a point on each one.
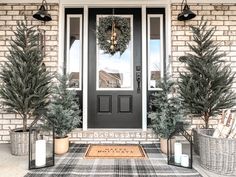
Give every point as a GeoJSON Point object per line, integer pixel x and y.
{"type": "Point", "coordinates": [73, 164]}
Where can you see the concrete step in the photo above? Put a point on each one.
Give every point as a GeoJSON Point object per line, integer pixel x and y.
{"type": "Point", "coordinates": [113, 136]}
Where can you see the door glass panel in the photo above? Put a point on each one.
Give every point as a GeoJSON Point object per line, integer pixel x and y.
{"type": "Point", "coordinates": [115, 72]}
{"type": "Point", "coordinates": [74, 51]}
{"type": "Point", "coordinates": [155, 37]}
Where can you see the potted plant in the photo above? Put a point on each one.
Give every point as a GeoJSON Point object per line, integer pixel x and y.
{"type": "Point", "coordinates": [205, 86]}
{"type": "Point", "coordinates": [25, 84]}
{"type": "Point", "coordinates": [166, 110]}
{"type": "Point", "coordinates": [64, 112]}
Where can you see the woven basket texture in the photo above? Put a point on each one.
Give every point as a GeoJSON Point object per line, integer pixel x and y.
{"type": "Point", "coordinates": [217, 154]}
{"type": "Point", "coordinates": [19, 142]}
{"type": "Point", "coordinates": [196, 139]}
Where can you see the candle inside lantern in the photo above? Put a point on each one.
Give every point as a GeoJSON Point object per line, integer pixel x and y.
{"type": "Point", "coordinates": [40, 153]}
{"type": "Point", "coordinates": [184, 160]}
{"type": "Point", "coordinates": [178, 152]}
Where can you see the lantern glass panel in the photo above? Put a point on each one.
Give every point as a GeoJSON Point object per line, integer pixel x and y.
{"type": "Point", "coordinates": [41, 151]}
{"type": "Point", "coordinates": [180, 149]}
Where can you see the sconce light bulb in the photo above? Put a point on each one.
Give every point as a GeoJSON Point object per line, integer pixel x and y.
{"type": "Point", "coordinates": [185, 15]}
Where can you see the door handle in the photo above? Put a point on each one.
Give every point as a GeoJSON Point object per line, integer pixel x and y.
{"type": "Point", "coordinates": [138, 79]}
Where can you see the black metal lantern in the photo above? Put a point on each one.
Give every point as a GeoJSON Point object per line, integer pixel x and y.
{"type": "Point", "coordinates": [42, 13]}
{"type": "Point", "coordinates": [179, 147]}
{"type": "Point", "coordinates": [41, 143]}
{"type": "Point", "coordinates": [186, 13]}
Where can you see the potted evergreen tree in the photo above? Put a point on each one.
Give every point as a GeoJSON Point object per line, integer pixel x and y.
{"type": "Point", "coordinates": [64, 112]}
{"type": "Point", "coordinates": [205, 86]}
{"type": "Point", "coordinates": [25, 87]}
{"type": "Point", "coordinates": [166, 110]}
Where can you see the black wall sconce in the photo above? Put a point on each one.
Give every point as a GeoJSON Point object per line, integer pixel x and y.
{"type": "Point", "coordinates": [42, 13]}
{"type": "Point", "coordinates": [186, 13]}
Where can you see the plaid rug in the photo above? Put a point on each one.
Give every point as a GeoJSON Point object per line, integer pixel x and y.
{"type": "Point", "coordinates": [73, 164]}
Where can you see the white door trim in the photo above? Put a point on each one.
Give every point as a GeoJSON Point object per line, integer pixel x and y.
{"type": "Point", "coordinates": [85, 70]}
{"type": "Point", "coordinates": [87, 4]}
{"type": "Point", "coordinates": [144, 69]}
{"type": "Point", "coordinates": [168, 38]}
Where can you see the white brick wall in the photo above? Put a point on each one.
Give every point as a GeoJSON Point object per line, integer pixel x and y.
{"type": "Point", "coordinates": [96, 136]}
{"type": "Point", "coordinates": [220, 16]}
{"type": "Point", "coordinates": [9, 15]}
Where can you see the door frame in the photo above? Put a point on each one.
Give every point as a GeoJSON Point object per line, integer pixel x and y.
{"type": "Point", "coordinates": [107, 3]}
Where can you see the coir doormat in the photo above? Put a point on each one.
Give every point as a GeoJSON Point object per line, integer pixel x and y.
{"type": "Point", "coordinates": [115, 151]}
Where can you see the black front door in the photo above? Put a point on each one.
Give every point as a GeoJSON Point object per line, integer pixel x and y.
{"type": "Point", "coordinates": [114, 95]}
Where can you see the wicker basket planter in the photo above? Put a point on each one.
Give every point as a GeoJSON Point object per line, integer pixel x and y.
{"type": "Point", "coordinates": [217, 154]}
{"type": "Point", "coordinates": [196, 139]}
{"type": "Point", "coordinates": [19, 142]}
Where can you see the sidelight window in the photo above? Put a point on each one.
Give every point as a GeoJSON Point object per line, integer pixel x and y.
{"type": "Point", "coordinates": [155, 50]}
{"type": "Point", "coordinates": [74, 51]}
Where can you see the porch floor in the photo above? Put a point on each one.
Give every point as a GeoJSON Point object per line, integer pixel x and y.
{"type": "Point", "coordinates": [16, 166]}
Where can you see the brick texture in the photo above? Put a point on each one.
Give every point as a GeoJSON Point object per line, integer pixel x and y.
{"type": "Point", "coordinates": [220, 16]}
{"type": "Point", "coordinates": [132, 136]}
{"type": "Point", "coordinates": [9, 15]}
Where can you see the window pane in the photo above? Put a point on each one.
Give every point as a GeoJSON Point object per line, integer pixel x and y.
{"type": "Point", "coordinates": [154, 52]}
{"type": "Point", "coordinates": [115, 71]}
{"type": "Point", "coordinates": [74, 52]}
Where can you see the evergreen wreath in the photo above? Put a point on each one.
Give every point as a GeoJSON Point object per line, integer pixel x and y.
{"type": "Point", "coordinates": [104, 33]}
